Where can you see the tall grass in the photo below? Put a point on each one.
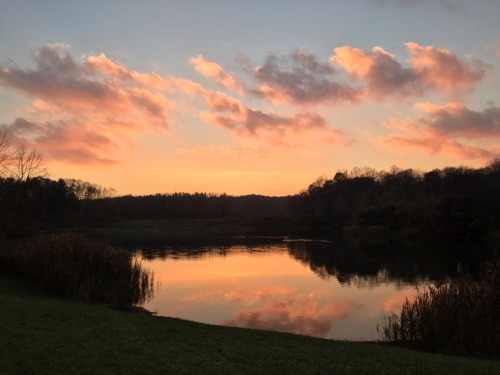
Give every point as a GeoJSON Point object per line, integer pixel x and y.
{"type": "Point", "coordinates": [76, 266]}
{"type": "Point", "coordinates": [461, 317]}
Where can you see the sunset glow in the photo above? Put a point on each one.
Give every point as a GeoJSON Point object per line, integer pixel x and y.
{"type": "Point", "coordinates": [241, 98]}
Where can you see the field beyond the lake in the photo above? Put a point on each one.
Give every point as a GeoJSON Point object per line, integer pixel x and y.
{"type": "Point", "coordinates": [42, 334]}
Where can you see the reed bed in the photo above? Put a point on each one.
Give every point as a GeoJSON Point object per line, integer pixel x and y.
{"type": "Point", "coordinates": [76, 266]}
{"type": "Point", "coordinates": [460, 317]}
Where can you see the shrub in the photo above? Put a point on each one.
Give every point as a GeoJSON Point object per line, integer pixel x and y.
{"type": "Point", "coordinates": [461, 317]}
{"type": "Point", "coordinates": [76, 266]}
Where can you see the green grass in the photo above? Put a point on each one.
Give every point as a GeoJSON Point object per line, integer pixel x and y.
{"type": "Point", "coordinates": [40, 334]}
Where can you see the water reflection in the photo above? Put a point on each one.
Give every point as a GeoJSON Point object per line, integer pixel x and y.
{"type": "Point", "coordinates": [298, 314]}
{"type": "Point", "coordinates": [323, 289]}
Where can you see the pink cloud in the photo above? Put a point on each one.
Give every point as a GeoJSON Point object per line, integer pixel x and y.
{"type": "Point", "coordinates": [73, 142]}
{"type": "Point", "coordinates": [92, 108]}
{"type": "Point", "coordinates": [301, 78]}
{"type": "Point", "coordinates": [84, 111]}
{"type": "Point", "coordinates": [379, 71]}
{"type": "Point", "coordinates": [449, 128]}
{"type": "Point", "coordinates": [441, 69]}
{"type": "Point", "coordinates": [101, 63]}
{"type": "Point", "coordinates": [230, 113]}
{"type": "Point", "coordinates": [277, 129]}
{"type": "Point", "coordinates": [214, 70]}
{"type": "Point", "coordinates": [456, 119]}
{"type": "Point", "coordinates": [431, 69]}
{"type": "Point", "coordinates": [434, 145]}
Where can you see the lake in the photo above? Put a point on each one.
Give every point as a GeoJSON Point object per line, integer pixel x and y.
{"type": "Point", "coordinates": [335, 290]}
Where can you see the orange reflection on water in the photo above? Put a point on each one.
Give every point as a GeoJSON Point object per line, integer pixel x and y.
{"type": "Point", "coordinates": [394, 303]}
{"type": "Point", "coordinates": [269, 290]}
{"type": "Point", "coordinates": [236, 264]}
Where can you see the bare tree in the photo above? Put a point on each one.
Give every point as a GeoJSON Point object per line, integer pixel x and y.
{"type": "Point", "coordinates": [26, 163]}
{"type": "Point", "coordinates": [4, 154]}
{"type": "Point", "coordinates": [108, 192]}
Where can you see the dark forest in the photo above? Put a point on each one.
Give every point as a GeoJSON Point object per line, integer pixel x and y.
{"type": "Point", "coordinates": [454, 202]}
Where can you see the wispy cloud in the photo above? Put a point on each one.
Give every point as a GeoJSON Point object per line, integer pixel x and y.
{"type": "Point", "coordinates": [280, 129]}
{"type": "Point", "coordinates": [214, 70]}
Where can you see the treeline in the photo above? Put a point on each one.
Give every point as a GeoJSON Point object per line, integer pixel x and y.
{"type": "Point", "coordinates": [453, 202]}
{"type": "Point", "coordinates": [191, 206]}
{"type": "Point", "coordinates": [457, 202]}
{"type": "Point", "coordinates": [28, 205]}
{"type": "Point", "coordinates": [39, 203]}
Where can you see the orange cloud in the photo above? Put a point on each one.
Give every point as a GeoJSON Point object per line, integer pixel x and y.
{"type": "Point", "coordinates": [443, 70]}
{"type": "Point", "coordinates": [214, 70]}
{"type": "Point", "coordinates": [101, 63]}
{"type": "Point", "coordinates": [449, 129]}
{"type": "Point", "coordinates": [432, 69]}
{"type": "Point", "coordinates": [457, 120]}
{"type": "Point", "coordinates": [301, 78]}
{"type": "Point", "coordinates": [380, 72]}
{"type": "Point", "coordinates": [230, 113]}
{"type": "Point", "coordinates": [277, 129]}
{"type": "Point", "coordinates": [84, 112]}
{"type": "Point", "coordinates": [434, 145]}
{"type": "Point", "coordinates": [95, 106]}
{"type": "Point", "coordinates": [74, 142]}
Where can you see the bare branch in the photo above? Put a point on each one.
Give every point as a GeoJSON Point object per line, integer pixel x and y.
{"type": "Point", "coordinates": [25, 164]}
{"type": "Point", "coordinates": [4, 151]}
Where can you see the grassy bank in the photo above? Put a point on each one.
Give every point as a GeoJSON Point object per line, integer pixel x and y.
{"type": "Point", "coordinates": [40, 334]}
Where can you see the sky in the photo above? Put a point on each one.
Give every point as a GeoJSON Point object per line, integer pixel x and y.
{"type": "Point", "coordinates": [242, 97]}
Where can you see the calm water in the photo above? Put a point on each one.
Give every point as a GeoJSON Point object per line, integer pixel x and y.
{"type": "Point", "coordinates": [322, 289]}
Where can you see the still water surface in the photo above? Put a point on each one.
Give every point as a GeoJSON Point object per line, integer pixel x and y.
{"type": "Point", "coordinates": [304, 287]}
